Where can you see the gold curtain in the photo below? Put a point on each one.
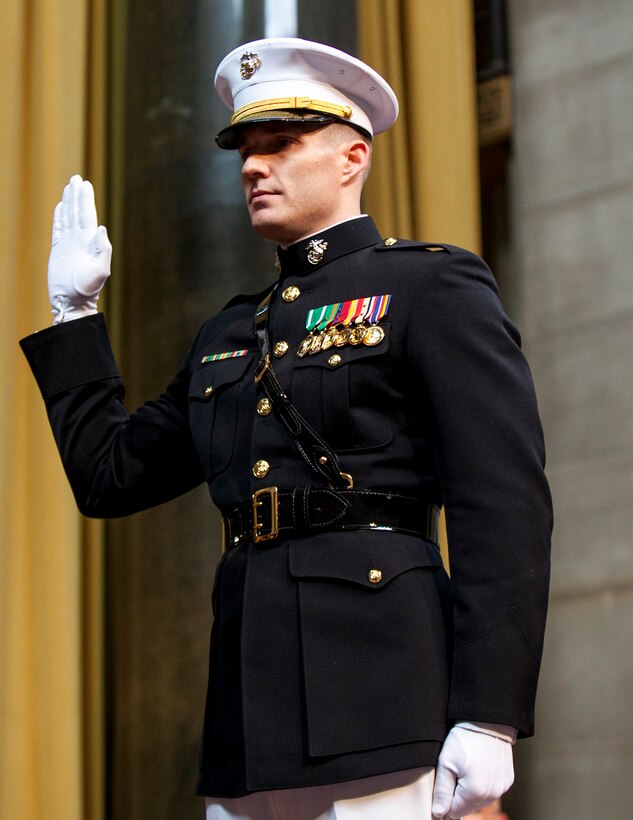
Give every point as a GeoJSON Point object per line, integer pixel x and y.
{"type": "Point", "coordinates": [425, 179]}
{"type": "Point", "coordinates": [51, 110]}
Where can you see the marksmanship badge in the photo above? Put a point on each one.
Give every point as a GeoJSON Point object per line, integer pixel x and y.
{"type": "Point", "coordinates": [219, 357]}
{"type": "Point", "coordinates": [249, 64]}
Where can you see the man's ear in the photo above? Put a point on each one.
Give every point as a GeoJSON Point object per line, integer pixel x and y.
{"type": "Point", "coordinates": [357, 156]}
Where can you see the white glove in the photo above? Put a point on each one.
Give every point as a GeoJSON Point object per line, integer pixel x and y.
{"type": "Point", "coordinates": [474, 768]}
{"type": "Point", "coordinates": [80, 256]}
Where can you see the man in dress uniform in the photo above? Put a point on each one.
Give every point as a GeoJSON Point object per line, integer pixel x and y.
{"type": "Point", "coordinates": [331, 416]}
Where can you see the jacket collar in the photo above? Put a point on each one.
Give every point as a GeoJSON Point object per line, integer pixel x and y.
{"type": "Point", "coordinates": [326, 246]}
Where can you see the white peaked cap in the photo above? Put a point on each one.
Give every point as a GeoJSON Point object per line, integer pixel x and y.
{"type": "Point", "coordinates": [288, 79]}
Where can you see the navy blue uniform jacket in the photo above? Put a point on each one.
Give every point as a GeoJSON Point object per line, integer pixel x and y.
{"type": "Point", "coordinates": [318, 675]}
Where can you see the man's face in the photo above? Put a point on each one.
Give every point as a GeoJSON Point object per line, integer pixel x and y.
{"type": "Point", "coordinates": [291, 175]}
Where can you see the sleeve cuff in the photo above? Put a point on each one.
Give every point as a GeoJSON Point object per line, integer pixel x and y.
{"type": "Point", "coordinates": [500, 730]}
{"type": "Point", "coordinates": [70, 354]}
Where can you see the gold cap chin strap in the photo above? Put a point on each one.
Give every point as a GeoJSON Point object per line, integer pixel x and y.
{"type": "Point", "coordinates": [281, 103]}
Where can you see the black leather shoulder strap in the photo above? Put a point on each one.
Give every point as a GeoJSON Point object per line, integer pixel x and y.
{"type": "Point", "coordinates": [317, 454]}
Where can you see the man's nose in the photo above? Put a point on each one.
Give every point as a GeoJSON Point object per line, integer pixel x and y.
{"type": "Point", "coordinates": [254, 166]}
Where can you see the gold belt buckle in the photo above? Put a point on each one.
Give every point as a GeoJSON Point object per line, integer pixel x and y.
{"type": "Point", "coordinates": [259, 499]}
{"type": "Point", "coordinates": [263, 365]}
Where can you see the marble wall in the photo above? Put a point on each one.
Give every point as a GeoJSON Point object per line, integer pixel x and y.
{"type": "Point", "coordinates": [572, 196]}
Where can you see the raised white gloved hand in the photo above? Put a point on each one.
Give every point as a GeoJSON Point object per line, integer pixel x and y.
{"type": "Point", "coordinates": [474, 768]}
{"type": "Point", "coordinates": [79, 263]}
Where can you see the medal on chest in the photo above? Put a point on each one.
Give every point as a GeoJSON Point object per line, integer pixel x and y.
{"type": "Point", "coordinates": [354, 322]}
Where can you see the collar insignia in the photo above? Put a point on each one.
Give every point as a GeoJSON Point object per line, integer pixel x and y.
{"type": "Point", "coordinates": [316, 248]}
{"type": "Point", "coordinates": [249, 65]}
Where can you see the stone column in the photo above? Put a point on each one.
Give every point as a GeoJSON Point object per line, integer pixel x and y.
{"type": "Point", "coordinates": [573, 212]}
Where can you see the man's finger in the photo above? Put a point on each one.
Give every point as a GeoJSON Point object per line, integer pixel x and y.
{"type": "Point", "coordinates": [465, 803]}
{"type": "Point", "coordinates": [101, 245]}
{"type": "Point", "coordinates": [66, 210]}
{"type": "Point", "coordinates": [57, 222]}
{"type": "Point", "coordinates": [87, 211]}
{"type": "Point", "coordinates": [443, 791]}
{"type": "Point", "coordinates": [75, 187]}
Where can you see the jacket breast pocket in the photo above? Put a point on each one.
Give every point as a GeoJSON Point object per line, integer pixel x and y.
{"type": "Point", "coordinates": [344, 392]}
{"type": "Point", "coordinates": [213, 399]}
{"type": "Point", "coordinates": [373, 638]}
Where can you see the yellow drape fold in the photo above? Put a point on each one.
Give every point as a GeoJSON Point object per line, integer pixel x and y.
{"type": "Point", "coordinates": [43, 121]}
{"type": "Point", "coordinates": [425, 179]}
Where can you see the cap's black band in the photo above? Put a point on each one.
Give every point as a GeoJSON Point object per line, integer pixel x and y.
{"type": "Point", "coordinates": [228, 137]}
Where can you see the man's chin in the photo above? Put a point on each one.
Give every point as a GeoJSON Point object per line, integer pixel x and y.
{"type": "Point", "coordinates": [271, 229]}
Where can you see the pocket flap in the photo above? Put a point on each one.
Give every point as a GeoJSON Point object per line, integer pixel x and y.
{"type": "Point", "coordinates": [366, 557]}
{"type": "Point", "coordinates": [207, 380]}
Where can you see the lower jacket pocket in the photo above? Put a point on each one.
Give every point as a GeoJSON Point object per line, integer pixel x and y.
{"type": "Point", "coordinates": [373, 640]}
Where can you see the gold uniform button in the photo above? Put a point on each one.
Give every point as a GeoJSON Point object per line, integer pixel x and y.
{"type": "Point", "coordinates": [280, 349]}
{"type": "Point", "coordinates": [261, 468]}
{"type": "Point", "coordinates": [391, 241]}
{"type": "Point", "coordinates": [291, 293]}
{"type": "Point", "coordinates": [208, 391]}
{"type": "Point", "coordinates": [264, 407]}
{"type": "Point", "coordinates": [334, 360]}
{"type": "Point", "coordinates": [374, 576]}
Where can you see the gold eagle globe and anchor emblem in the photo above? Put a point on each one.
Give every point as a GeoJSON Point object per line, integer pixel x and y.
{"type": "Point", "coordinates": [316, 248]}
{"type": "Point", "coordinates": [249, 64]}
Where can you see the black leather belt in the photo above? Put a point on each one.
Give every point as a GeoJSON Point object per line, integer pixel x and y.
{"type": "Point", "coordinates": [273, 514]}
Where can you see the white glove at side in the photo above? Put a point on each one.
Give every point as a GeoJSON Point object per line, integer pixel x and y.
{"type": "Point", "coordinates": [474, 768]}
{"type": "Point", "coordinates": [79, 262]}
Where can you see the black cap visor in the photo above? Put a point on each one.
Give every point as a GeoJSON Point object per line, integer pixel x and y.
{"type": "Point", "coordinates": [229, 137]}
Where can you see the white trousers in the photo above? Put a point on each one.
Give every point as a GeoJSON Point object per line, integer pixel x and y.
{"type": "Point", "coordinates": [403, 795]}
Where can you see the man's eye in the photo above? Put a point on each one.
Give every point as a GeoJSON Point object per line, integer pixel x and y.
{"type": "Point", "coordinates": [271, 147]}
{"type": "Point", "coordinates": [282, 142]}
